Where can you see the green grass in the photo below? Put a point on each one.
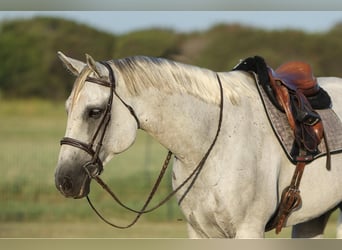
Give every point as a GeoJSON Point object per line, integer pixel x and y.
{"type": "Point", "coordinates": [30, 131]}
{"type": "Point", "coordinates": [95, 229]}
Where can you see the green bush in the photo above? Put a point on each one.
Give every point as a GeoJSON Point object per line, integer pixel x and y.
{"type": "Point", "coordinates": [29, 66]}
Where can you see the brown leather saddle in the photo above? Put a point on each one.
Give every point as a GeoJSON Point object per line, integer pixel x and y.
{"type": "Point", "coordinates": [292, 83]}
{"type": "Point", "coordinates": [294, 90]}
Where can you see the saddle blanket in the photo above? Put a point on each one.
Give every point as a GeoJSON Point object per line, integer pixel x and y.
{"type": "Point", "coordinates": [332, 127]}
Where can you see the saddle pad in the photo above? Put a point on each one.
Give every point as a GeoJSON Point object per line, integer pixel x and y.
{"type": "Point", "coordinates": [332, 127]}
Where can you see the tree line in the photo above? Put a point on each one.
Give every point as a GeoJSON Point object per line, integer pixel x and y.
{"type": "Point", "coordinates": [29, 66]}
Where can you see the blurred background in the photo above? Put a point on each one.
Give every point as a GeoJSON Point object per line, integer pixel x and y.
{"type": "Point", "coordinates": [34, 86]}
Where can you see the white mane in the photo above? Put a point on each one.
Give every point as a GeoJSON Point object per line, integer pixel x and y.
{"type": "Point", "coordinates": [142, 72]}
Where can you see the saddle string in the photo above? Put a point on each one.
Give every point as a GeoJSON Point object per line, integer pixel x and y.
{"type": "Point", "coordinates": [194, 175]}
{"type": "Point", "coordinates": [328, 162]}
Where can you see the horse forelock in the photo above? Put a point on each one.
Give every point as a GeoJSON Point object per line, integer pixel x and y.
{"type": "Point", "coordinates": [140, 73]}
{"type": "Point", "coordinates": [78, 86]}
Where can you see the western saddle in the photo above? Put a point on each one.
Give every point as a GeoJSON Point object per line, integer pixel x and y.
{"type": "Point", "coordinates": [294, 90]}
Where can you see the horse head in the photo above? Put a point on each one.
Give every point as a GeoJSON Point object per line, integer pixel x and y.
{"type": "Point", "coordinates": [100, 124]}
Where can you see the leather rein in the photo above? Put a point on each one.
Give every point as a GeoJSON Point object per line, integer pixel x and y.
{"type": "Point", "coordinates": [94, 167]}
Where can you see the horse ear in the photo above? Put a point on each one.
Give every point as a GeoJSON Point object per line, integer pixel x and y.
{"type": "Point", "coordinates": [95, 66]}
{"type": "Point", "coordinates": [73, 65]}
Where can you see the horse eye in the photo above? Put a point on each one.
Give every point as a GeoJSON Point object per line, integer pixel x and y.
{"type": "Point", "coordinates": [95, 113]}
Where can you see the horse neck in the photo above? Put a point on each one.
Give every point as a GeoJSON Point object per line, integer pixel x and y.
{"type": "Point", "coordinates": [181, 123]}
{"type": "Point", "coordinates": [184, 121]}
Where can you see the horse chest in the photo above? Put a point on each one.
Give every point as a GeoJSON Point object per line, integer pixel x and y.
{"type": "Point", "coordinates": [207, 217]}
{"type": "Point", "coordinates": [210, 207]}
{"type": "Point", "coordinates": [205, 209]}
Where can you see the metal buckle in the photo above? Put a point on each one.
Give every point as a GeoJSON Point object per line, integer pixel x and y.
{"type": "Point", "coordinates": [93, 169]}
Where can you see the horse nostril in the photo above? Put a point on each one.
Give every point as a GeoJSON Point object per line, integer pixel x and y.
{"type": "Point", "coordinates": [66, 185]}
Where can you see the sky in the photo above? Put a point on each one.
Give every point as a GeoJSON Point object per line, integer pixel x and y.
{"type": "Point", "coordinates": [170, 5]}
{"type": "Point", "coordinates": [119, 22]}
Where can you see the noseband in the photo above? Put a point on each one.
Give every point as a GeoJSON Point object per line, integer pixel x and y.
{"type": "Point", "coordinates": [94, 166]}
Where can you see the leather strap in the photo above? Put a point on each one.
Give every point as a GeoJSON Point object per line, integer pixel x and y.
{"type": "Point", "coordinates": [290, 201]}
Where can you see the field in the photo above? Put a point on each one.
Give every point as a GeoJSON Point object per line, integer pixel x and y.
{"type": "Point", "coordinates": [30, 205]}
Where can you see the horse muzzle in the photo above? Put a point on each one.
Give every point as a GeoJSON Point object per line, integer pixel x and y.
{"type": "Point", "coordinates": [74, 180]}
{"type": "Point", "coordinates": [75, 184]}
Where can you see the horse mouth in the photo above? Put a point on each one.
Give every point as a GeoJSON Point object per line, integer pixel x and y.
{"type": "Point", "coordinates": [85, 188]}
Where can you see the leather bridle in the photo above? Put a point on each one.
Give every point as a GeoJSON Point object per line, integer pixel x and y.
{"type": "Point", "coordinates": [94, 167]}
